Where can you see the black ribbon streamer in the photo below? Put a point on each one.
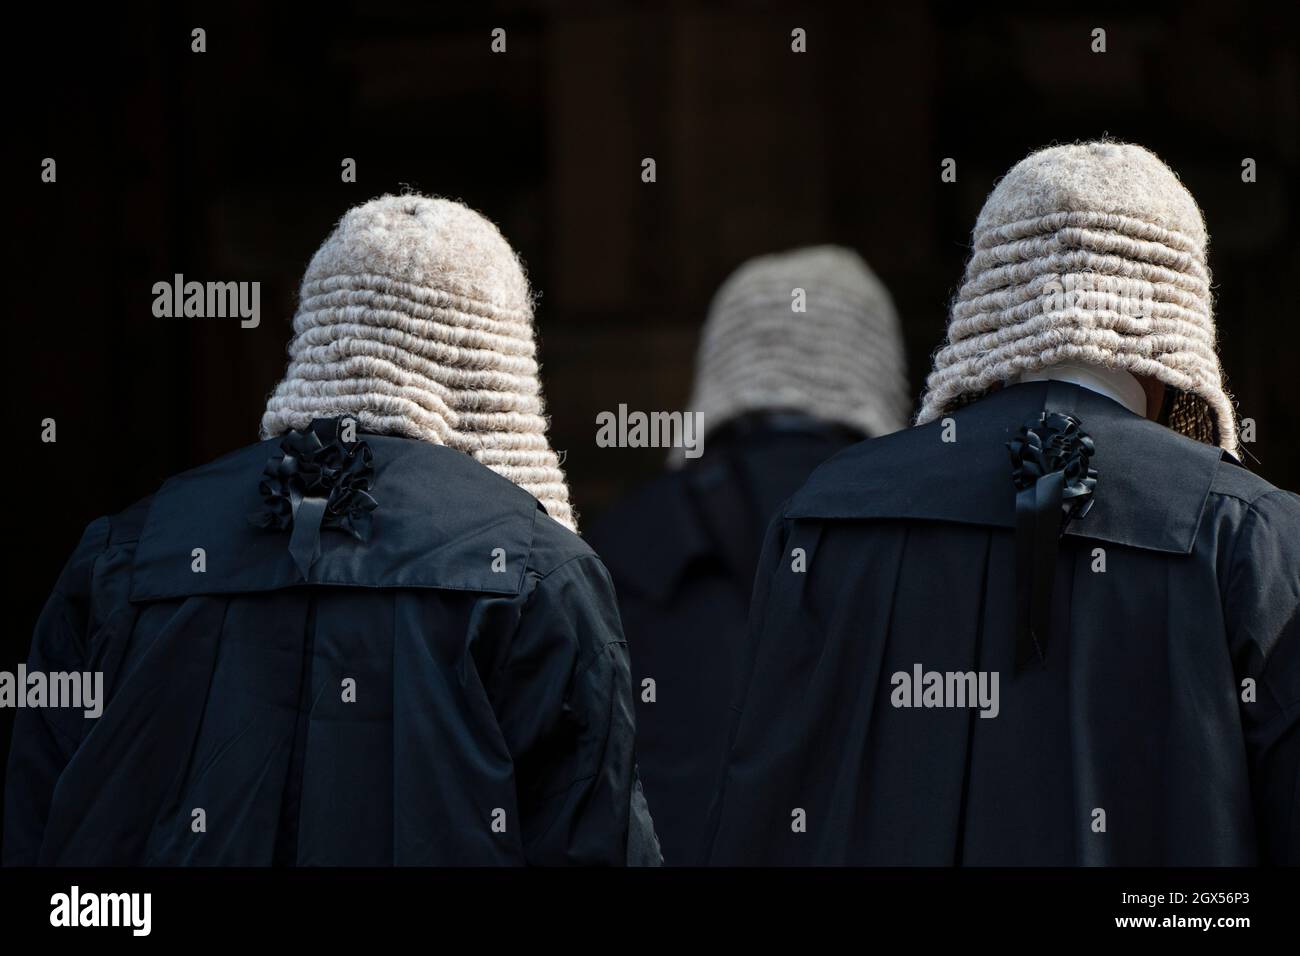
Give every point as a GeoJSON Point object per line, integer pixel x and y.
{"type": "Point", "coordinates": [1054, 485]}
{"type": "Point", "coordinates": [320, 481]}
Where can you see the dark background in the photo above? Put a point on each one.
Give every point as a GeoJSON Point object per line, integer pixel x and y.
{"type": "Point", "coordinates": [226, 166]}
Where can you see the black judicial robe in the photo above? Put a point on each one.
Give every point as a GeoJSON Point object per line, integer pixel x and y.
{"type": "Point", "coordinates": [1160, 726]}
{"type": "Point", "coordinates": [452, 691]}
{"type": "Point", "coordinates": [682, 551]}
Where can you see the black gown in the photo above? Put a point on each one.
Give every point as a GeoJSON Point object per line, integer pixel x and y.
{"type": "Point", "coordinates": [453, 690]}
{"type": "Point", "coordinates": [682, 551]}
{"type": "Point", "coordinates": [1159, 726]}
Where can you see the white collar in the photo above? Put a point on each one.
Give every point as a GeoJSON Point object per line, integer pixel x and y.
{"type": "Point", "coordinates": [1115, 384]}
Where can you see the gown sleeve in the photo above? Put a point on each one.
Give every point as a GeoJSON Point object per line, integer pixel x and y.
{"type": "Point", "coordinates": [1263, 611]}
{"type": "Point", "coordinates": [566, 711]}
{"type": "Point", "coordinates": [45, 738]}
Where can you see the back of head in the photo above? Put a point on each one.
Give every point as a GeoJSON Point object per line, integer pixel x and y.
{"type": "Point", "coordinates": [840, 360]}
{"type": "Point", "coordinates": [1092, 253]}
{"type": "Point", "coordinates": [415, 317]}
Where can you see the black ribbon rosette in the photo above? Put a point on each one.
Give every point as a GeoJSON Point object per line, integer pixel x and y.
{"type": "Point", "coordinates": [1054, 485]}
{"type": "Point", "coordinates": [320, 481]}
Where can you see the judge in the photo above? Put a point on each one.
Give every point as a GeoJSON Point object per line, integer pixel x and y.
{"type": "Point", "coordinates": [800, 357]}
{"type": "Point", "coordinates": [1149, 655]}
{"type": "Point", "coordinates": [372, 638]}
